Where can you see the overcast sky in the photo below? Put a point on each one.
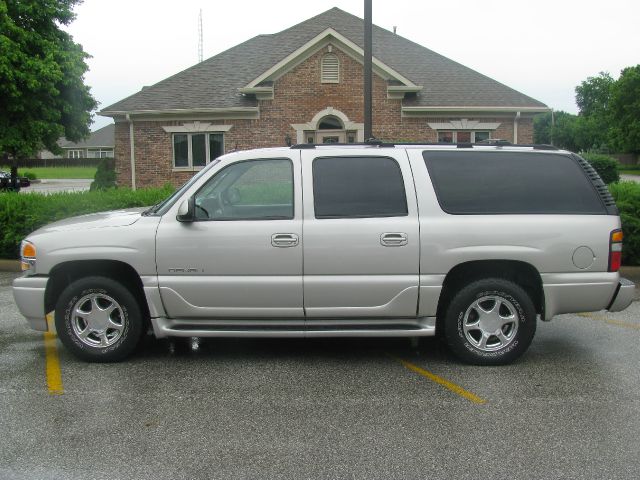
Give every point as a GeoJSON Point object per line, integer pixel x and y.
{"type": "Point", "coordinates": [543, 48]}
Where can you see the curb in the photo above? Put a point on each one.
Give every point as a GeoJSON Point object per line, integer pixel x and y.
{"type": "Point", "coordinates": [10, 265]}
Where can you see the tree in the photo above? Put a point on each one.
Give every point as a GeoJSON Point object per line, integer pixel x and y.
{"type": "Point", "coordinates": [42, 90]}
{"type": "Point", "coordinates": [593, 127]}
{"type": "Point", "coordinates": [594, 94]}
{"type": "Point", "coordinates": [560, 132]}
{"type": "Point", "coordinates": [625, 110]}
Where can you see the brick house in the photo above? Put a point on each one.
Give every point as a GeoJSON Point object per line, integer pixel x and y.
{"type": "Point", "coordinates": [305, 84]}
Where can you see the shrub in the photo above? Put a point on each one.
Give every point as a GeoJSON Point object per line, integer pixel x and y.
{"type": "Point", "coordinates": [606, 166]}
{"type": "Point", "coordinates": [105, 177]}
{"type": "Point", "coordinates": [24, 213]}
{"type": "Point", "coordinates": [627, 196]}
{"type": "Point", "coordinates": [30, 175]}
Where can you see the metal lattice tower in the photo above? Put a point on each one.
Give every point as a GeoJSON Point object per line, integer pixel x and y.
{"type": "Point", "coordinates": [200, 36]}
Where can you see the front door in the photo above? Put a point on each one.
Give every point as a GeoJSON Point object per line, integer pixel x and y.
{"type": "Point", "coordinates": [328, 136]}
{"type": "Point", "coordinates": [242, 256]}
{"type": "Point", "coordinates": [361, 238]}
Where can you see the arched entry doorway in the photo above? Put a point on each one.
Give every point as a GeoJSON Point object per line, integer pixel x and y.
{"type": "Point", "coordinates": [331, 130]}
{"type": "Point", "coordinates": [329, 126]}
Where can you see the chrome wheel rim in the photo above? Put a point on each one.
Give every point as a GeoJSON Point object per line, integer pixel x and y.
{"type": "Point", "coordinates": [490, 323]}
{"type": "Point", "coordinates": [97, 320]}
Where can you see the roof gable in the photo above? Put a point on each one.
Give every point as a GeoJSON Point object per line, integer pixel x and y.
{"type": "Point", "coordinates": [324, 38]}
{"type": "Point", "coordinates": [103, 137]}
{"type": "Point", "coordinates": [214, 83]}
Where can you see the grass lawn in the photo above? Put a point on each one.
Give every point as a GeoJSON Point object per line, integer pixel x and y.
{"type": "Point", "coordinates": [57, 172]}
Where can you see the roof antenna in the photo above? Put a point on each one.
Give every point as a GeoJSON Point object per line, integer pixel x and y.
{"type": "Point", "coordinates": [200, 37]}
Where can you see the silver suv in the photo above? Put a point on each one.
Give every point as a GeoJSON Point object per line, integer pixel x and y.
{"type": "Point", "coordinates": [473, 243]}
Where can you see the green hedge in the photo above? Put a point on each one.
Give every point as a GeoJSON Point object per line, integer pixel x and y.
{"type": "Point", "coordinates": [627, 196]}
{"type": "Point", "coordinates": [21, 214]}
{"type": "Point", "coordinates": [606, 166]}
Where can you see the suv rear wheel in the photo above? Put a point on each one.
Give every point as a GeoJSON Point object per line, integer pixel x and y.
{"type": "Point", "coordinates": [98, 319]}
{"type": "Point", "coordinates": [490, 322]}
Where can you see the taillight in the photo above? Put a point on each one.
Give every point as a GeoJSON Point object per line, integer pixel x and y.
{"type": "Point", "coordinates": [615, 251]}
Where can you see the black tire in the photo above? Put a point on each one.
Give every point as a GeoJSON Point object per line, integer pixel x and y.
{"type": "Point", "coordinates": [467, 323]}
{"type": "Point", "coordinates": [79, 296]}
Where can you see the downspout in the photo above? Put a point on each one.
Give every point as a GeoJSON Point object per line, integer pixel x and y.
{"type": "Point", "coordinates": [133, 153]}
{"type": "Point", "coordinates": [515, 128]}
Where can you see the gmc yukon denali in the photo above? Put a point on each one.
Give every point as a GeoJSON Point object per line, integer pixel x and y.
{"type": "Point", "coordinates": [474, 243]}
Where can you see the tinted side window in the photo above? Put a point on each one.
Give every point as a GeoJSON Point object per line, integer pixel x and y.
{"type": "Point", "coordinates": [358, 187]}
{"type": "Point", "coordinates": [510, 182]}
{"type": "Point", "coordinates": [248, 190]}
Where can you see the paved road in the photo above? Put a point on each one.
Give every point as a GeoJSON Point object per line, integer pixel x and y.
{"type": "Point", "coordinates": [58, 185]}
{"type": "Point", "coordinates": [325, 409]}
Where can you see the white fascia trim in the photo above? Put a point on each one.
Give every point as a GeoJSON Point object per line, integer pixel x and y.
{"type": "Point", "coordinates": [261, 93]}
{"type": "Point", "coordinates": [464, 124]}
{"type": "Point", "coordinates": [475, 109]}
{"type": "Point", "coordinates": [292, 59]}
{"type": "Point", "coordinates": [197, 127]}
{"type": "Point", "coordinates": [184, 111]}
{"type": "Point", "coordinates": [397, 92]}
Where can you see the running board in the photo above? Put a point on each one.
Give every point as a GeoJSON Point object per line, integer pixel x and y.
{"type": "Point", "coordinates": [407, 327]}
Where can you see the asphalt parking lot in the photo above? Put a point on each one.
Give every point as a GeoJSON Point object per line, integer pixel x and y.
{"type": "Point", "coordinates": [348, 408]}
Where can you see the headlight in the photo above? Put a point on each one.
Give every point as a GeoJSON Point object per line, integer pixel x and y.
{"type": "Point", "coordinates": [28, 256]}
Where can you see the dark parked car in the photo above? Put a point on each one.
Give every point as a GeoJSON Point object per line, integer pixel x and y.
{"type": "Point", "coordinates": [6, 184]}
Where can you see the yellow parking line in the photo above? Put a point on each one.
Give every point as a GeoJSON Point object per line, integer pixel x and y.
{"type": "Point", "coordinates": [457, 389]}
{"type": "Point", "coordinates": [54, 377]}
{"type": "Point", "coordinates": [617, 323]}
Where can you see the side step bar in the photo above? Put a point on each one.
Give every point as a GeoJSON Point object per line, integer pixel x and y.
{"type": "Point", "coordinates": [414, 327]}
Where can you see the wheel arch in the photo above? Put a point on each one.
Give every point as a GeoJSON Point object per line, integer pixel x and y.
{"type": "Point", "coordinates": [65, 273]}
{"type": "Point", "coordinates": [522, 273]}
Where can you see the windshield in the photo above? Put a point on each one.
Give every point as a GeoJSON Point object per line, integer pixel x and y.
{"type": "Point", "coordinates": [162, 207]}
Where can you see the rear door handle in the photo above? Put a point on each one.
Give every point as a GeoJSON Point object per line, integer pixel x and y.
{"type": "Point", "coordinates": [394, 239]}
{"type": "Point", "coordinates": [283, 240]}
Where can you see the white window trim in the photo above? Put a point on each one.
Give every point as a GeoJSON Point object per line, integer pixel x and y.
{"type": "Point", "coordinates": [74, 153]}
{"type": "Point", "coordinates": [455, 134]}
{"type": "Point", "coordinates": [197, 127]}
{"type": "Point", "coordinates": [190, 167]}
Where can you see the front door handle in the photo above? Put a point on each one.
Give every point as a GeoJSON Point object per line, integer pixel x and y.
{"type": "Point", "coordinates": [283, 240]}
{"type": "Point", "coordinates": [394, 239]}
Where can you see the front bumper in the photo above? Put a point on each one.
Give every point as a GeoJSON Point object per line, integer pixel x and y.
{"type": "Point", "coordinates": [624, 295]}
{"type": "Point", "coordinates": [28, 293]}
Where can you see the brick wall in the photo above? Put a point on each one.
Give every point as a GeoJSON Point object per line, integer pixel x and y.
{"type": "Point", "coordinates": [298, 96]}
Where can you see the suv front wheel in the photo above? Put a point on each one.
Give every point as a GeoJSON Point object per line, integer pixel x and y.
{"type": "Point", "coordinates": [98, 319]}
{"type": "Point", "coordinates": [490, 322]}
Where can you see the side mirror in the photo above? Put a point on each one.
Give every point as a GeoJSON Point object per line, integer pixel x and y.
{"type": "Point", "coordinates": [186, 212]}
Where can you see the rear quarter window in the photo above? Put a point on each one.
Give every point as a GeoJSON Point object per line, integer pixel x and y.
{"type": "Point", "coordinates": [511, 183]}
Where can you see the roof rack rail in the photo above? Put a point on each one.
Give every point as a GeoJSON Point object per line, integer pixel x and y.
{"type": "Point", "coordinates": [381, 144]}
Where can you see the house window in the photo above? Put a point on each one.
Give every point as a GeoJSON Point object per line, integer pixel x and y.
{"type": "Point", "coordinates": [196, 149]}
{"type": "Point", "coordinates": [100, 153]}
{"type": "Point", "coordinates": [330, 68]}
{"type": "Point", "coordinates": [462, 136]}
{"type": "Point", "coordinates": [74, 154]}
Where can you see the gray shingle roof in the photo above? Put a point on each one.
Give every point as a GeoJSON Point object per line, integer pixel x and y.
{"type": "Point", "coordinates": [214, 82]}
{"type": "Point", "coordinates": [103, 137]}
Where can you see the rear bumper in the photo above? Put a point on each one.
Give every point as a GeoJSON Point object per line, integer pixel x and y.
{"type": "Point", "coordinates": [624, 295]}
{"type": "Point", "coordinates": [28, 293]}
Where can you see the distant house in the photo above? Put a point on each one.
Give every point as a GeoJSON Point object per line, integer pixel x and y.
{"type": "Point", "coordinates": [305, 85]}
{"type": "Point", "coordinates": [100, 144]}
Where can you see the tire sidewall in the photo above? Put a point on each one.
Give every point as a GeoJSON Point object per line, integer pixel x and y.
{"type": "Point", "coordinates": [130, 317]}
{"type": "Point", "coordinates": [525, 310]}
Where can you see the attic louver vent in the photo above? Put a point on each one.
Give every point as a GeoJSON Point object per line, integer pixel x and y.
{"type": "Point", "coordinates": [330, 68]}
